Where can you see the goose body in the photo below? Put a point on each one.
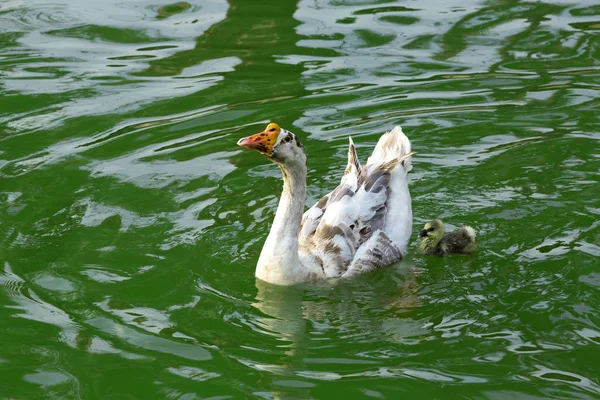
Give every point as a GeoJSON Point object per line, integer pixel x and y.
{"type": "Point", "coordinates": [437, 242]}
{"type": "Point", "coordinates": [363, 224]}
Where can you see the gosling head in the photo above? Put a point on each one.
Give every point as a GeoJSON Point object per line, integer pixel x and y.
{"type": "Point", "coordinates": [277, 144]}
{"type": "Point", "coordinates": [433, 231]}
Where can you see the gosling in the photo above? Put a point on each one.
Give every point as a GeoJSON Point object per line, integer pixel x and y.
{"type": "Point", "coordinates": [436, 242]}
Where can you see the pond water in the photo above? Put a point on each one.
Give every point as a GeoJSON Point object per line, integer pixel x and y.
{"type": "Point", "coordinates": [131, 223]}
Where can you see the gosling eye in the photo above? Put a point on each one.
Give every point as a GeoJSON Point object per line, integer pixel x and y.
{"type": "Point", "coordinates": [272, 130]}
{"type": "Point", "coordinates": [430, 230]}
{"type": "Point", "coordinates": [288, 138]}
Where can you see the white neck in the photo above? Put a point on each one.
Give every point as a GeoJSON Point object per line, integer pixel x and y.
{"type": "Point", "coordinates": [279, 262]}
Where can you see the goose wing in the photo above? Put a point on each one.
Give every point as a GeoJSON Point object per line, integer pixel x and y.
{"type": "Point", "coordinates": [313, 216]}
{"type": "Point", "coordinates": [352, 229]}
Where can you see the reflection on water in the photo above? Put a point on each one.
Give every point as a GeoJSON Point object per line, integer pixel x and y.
{"type": "Point", "coordinates": [308, 320]}
{"type": "Point", "coordinates": [130, 223]}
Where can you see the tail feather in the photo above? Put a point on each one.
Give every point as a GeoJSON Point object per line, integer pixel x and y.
{"type": "Point", "coordinates": [393, 147]}
{"type": "Point", "coordinates": [353, 166]}
{"type": "Point", "coordinates": [470, 232]}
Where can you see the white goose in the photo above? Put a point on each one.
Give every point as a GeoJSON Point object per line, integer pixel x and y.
{"type": "Point", "coordinates": [364, 224]}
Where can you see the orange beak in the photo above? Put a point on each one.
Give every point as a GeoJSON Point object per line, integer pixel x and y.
{"type": "Point", "coordinates": [262, 141]}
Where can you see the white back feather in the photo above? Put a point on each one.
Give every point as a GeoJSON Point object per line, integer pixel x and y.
{"type": "Point", "coordinates": [398, 222]}
{"type": "Point", "coordinates": [391, 145]}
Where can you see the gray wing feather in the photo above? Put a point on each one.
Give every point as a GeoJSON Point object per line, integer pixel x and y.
{"type": "Point", "coordinates": [337, 244]}
{"type": "Point", "coordinates": [378, 252]}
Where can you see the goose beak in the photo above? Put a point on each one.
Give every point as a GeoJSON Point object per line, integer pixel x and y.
{"type": "Point", "coordinates": [423, 233]}
{"type": "Point", "coordinates": [262, 142]}
{"type": "Point", "coordinates": [256, 142]}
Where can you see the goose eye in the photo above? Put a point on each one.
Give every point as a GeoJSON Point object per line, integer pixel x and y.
{"type": "Point", "coordinates": [287, 139]}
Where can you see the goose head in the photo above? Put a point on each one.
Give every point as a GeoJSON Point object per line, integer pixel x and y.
{"type": "Point", "coordinates": [433, 231]}
{"type": "Point", "coordinates": [277, 144]}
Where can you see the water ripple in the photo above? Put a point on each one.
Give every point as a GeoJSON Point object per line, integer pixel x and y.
{"type": "Point", "coordinates": [131, 222]}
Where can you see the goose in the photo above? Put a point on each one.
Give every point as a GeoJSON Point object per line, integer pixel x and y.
{"type": "Point", "coordinates": [436, 242]}
{"type": "Point", "coordinates": [363, 224]}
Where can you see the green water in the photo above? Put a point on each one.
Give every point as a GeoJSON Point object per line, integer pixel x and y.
{"type": "Point", "coordinates": [130, 222]}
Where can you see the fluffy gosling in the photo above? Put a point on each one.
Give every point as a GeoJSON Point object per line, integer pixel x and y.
{"type": "Point", "coordinates": [436, 242]}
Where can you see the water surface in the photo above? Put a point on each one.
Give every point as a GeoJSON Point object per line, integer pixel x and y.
{"type": "Point", "coordinates": [130, 222]}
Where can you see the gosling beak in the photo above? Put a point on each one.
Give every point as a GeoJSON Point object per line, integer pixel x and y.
{"type": "Point", "coordinates": [423, 233]}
